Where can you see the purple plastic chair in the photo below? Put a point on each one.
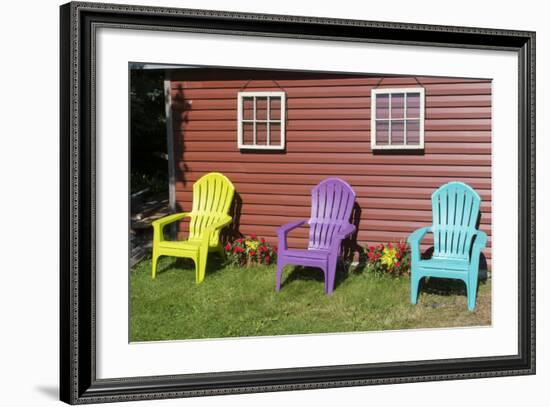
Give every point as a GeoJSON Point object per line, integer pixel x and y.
{"type": "Point", "coordinates": [331, 205]}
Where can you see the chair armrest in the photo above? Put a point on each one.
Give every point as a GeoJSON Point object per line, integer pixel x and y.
{"type": "Point", "coordinates": [283, 230]}
{"type": "Point", "coordinates": [224, 221]}
{"type": "Point", "coordinates": [480, 240]}
{"type": "Point", "coordinates": [347, 230]}
{"type": "Point", "coordinates": [414, 240]}
{"type": "Point", "coordinates": [159, 224]}
{"type": "Point", "coordinates": [207, 232]}
{"type": "Point", "coordinates": [478, 244]}
{"type": "Point", "coordinates": [166, 220]}
{"type": "Point", "coordinates": [416, 236]}
{"type": "Point", "coordinates": [292, 225]}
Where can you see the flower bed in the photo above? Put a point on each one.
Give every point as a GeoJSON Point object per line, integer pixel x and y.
{"type": "Point", "coordinates": [249, 251]}
{"type": "Point", "coordinates": [389, 258]}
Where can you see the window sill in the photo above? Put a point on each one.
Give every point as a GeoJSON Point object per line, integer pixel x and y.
{"type": "Point", "coordinates": [262, 148]}
{"type": "Point", "coordinates": [385, 148]}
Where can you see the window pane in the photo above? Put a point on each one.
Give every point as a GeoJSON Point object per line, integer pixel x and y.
{"type": "Point", "coordinates": [413, 132]}
{"type": "Point", "coordinates": [397, 105]}
{"type": "Point", "coordinates": [248, 134]}
{"type": "Point", "coordinates": [413, 105]}
{"type": "Point", "coordinates": [382, 134]}
{"type": "Point", "coordinates": [275, 134]}
{"type": "Point", "coordinates": [261, 134]}
{"type": "Point", "coordinates": [275, 113]}
{"type": "Point", "coordinates": [382, 106]}
{"type": "Point", "coordinates": [397, 132]}
{"type": "Point", "coordinates": [261, 108]}
{"type": "Point", "coordinates": [248, 108]}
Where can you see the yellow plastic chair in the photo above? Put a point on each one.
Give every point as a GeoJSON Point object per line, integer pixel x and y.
{"type": "Point", "coordinates": [212, 197]}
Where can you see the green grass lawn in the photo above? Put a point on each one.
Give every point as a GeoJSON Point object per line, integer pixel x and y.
{"type": "Point", "coordinates": [234, 302]}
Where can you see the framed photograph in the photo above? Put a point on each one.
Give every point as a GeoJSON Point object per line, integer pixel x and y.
{"type": "Point", "coordinates": [255, 203]}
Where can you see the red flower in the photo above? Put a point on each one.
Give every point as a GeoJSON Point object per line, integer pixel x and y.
{"type": "Point", "coordinates": [371, 248]}
{"type": "Point", "coordinates": [253, 236]}
{"type": "Point", "coordinates": [227, 246]}
{"type": "Point", "coordinates": [251, 252]}
{"type": "Point", "coordinates": [236, 249]}
{"type": "Point", "coordinates": [370, 255]}
{"type": "Point", "coordinates": [390, 245]}
{"type": "Point", "coordinates": [380, 246]}
{"type": "Point", "coordinates": [262, 240]}
{"type": "Point", "coordinates": [275, 249]}
{"type": "Point", "coordinates": [398, 264]}
{"type": "Point", "coordinates": [398, 255]}
{"type": "Point", "coordinates": [241, 240]}
{"type": "Point", "coordinates": [267, 258]}
{"type": "Point", "coordinates": [377, 255]}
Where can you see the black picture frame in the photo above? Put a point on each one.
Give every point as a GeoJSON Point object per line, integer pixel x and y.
{"type": "Point", "coordinates": [78, 382]}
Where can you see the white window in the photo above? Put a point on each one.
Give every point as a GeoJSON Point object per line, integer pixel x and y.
{"type": "Point", "coordinates": [261, 120]}
{"type": "Point", "coordinates": [397, 118]}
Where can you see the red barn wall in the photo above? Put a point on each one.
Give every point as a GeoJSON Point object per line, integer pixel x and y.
{"type": "Point", "coordinates": [328, 134]}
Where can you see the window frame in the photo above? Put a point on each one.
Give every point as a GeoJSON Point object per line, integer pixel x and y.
{"type": "Point", "coordinates": [421, 118]}
{"type": "Point", "coordinates": [241, 120]}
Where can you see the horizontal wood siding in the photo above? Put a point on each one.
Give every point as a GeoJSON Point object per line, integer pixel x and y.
{"type": "Point", "coordinates": [328, 134]}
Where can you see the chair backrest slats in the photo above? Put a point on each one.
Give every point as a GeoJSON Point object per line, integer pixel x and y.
{"type": "Point", "coordinates": [455, 211]}
{"type": "Point", "coordinates": [331, 205]}
{"type": "Point", "coordinates": [212, 197]}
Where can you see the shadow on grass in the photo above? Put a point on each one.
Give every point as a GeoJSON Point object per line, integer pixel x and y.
{"type": "Point", "coordinates": [448, 286]}
{"type": "Point", "coordinates": [215, 264]}
{"type": "Point", "coordinates": [315, 274]}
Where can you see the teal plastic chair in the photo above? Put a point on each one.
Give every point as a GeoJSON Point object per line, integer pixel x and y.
{"type": "Point", "coordinates": [457, 242]}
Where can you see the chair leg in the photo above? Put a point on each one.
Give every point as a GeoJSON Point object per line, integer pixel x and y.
{"type": "Point", "coordinates": [200, 269]}
{"type": "Point", "coordinates": [471, 290]}
{"type": "Point", "coordinates": [331, 274]}
{"type": "Point", "coordinates": [154, 262]}
{"type": "Point", "coordinates": [280, 267]}
{"type": "Point", "coordinates": [201, 272]}
{"type": "Point", "coordinates": [415, 282]}
{"type": "Point", "coordinates": [197, 263]}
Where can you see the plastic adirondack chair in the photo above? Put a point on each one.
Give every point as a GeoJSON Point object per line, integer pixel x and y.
{"type": "Point", "coordinates": [457, 242]}
{"type": "Point", "coordinates": [331, 205]}
{"type": "Point", "coordinates": [212, 197]}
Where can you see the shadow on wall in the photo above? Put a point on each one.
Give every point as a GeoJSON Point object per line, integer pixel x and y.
{"type": "Point", "coordinates": [350, 245]}
{"type": "Point", "coordinates": [180, 110]}
{"type": "Point", "coordinates": [232, 231]}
